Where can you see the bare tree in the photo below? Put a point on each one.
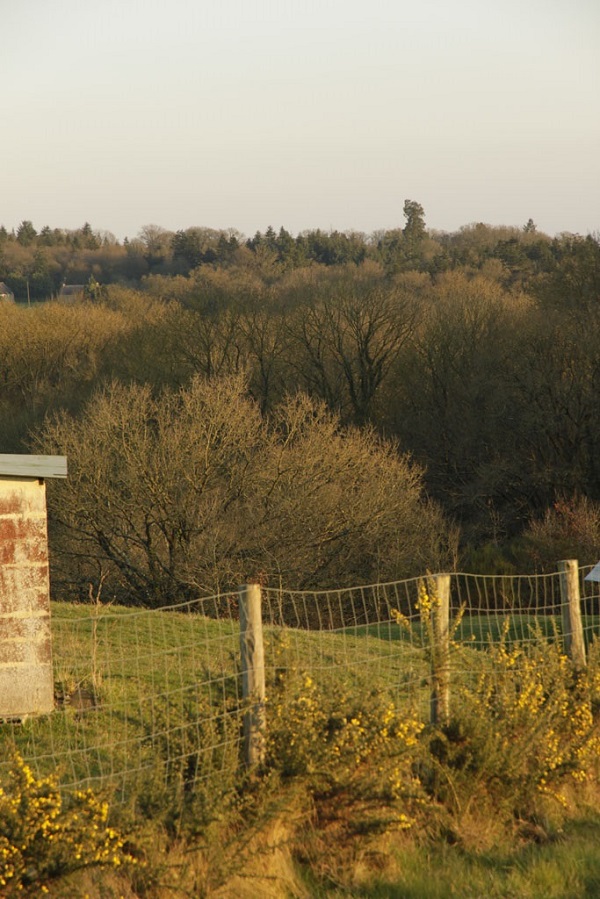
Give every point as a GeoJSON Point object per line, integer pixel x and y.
{"type": "Point", "coordinates": [194, 491]}
{"type": "Point", "coordinates": [346, 344]}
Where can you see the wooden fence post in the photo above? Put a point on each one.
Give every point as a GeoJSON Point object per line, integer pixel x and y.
{"type": "Point", "coordinates": [571, 612]}
{"type": "Point", "coordinates": [440, 651]}
{"type": "Point", "coordinates": [253, 673]}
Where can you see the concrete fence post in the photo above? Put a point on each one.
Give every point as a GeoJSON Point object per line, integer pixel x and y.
{"type": "Point", "coordinates": [571, 612]}
{"type": "Point", "coordinates": [253, 673]}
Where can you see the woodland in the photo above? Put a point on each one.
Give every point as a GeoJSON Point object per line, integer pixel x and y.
{"type": "Point", "coordinates": [314, 410]}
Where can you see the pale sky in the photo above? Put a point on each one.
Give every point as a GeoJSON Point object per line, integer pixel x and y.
{"type": "Point", "coordinates": [314, 114]}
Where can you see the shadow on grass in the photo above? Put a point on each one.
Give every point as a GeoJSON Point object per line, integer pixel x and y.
{"type": "Point", "coordinates": [566, 868]}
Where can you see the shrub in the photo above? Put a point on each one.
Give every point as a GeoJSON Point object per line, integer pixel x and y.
{"type": "Point", "coordinates": [570, 529]}
{"type": "Point", "coordinates": [523, 727]}
{"type": "Point", "coordinates": [44, 837]}
{"type": "Point", "coordinates": [351, 747]}
{"type": "Point", "coordinates": [194, 778]}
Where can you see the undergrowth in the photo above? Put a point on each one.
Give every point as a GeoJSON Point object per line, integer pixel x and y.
{"type": "Point", "coordinates": [44, 837]}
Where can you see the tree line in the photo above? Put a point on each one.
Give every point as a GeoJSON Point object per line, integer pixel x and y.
{"type": "Point", "coordinates": [442, 391]}
{"type": "Point", "coordinates": [35, 264]}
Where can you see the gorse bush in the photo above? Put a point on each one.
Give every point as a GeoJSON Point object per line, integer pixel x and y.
{"type": "Point", "coordinates": [193, 780]}
{"type": "Point", "coordinates": [521, 722]}
{"type": "Point", "coordinates": [522, 733]}
{"type": "Point", "coordinates": [44, 837]}
{"type": "Point", "coordinates": [353, 746]}
{"type": "Point", "coordinates": [522, 726]}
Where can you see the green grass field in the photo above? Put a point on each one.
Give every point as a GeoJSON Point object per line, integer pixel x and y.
{"type": "Point", "coordinates": [131, 683]}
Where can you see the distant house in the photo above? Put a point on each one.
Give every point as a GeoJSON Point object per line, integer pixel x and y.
{"type": "Point", "coordinates": [71, 292]}
{"type": "Point", "coordinates": [6, 294]}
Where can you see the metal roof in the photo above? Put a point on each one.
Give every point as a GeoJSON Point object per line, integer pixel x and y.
{"type": "Point", "coordinates": [33, 466]}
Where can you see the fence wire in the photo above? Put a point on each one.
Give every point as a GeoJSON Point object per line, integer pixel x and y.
{"type": "Point", "coordinates": [151, 699]}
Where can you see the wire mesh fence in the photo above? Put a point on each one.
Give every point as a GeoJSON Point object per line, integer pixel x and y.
{"type": "Point", "coordinates": [154, 697]}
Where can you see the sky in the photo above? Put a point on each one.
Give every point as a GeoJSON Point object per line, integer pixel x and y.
{"type": "Point", "coordinates": [299, 113]}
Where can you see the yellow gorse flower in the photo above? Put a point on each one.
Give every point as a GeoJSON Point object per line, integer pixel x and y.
{"type": "Point", "coordinates": [43, 837]}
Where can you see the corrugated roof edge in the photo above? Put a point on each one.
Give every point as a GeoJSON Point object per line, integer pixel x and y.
{"type": "Point", "coordinates": [33, 466]}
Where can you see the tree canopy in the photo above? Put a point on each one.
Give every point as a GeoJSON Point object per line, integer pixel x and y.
{"type": "Point", "coordinates": [477, 352]}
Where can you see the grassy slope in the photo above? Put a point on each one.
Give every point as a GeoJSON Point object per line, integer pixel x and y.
{"type": "Point", "coordinates": [128, 682]}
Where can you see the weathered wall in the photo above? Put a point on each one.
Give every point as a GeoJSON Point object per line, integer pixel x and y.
{"type": "Point", "coordinates": [26, 684]}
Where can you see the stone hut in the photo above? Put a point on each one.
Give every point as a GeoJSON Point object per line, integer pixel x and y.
{"type": "Point", "coordinates": [26, 681]}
